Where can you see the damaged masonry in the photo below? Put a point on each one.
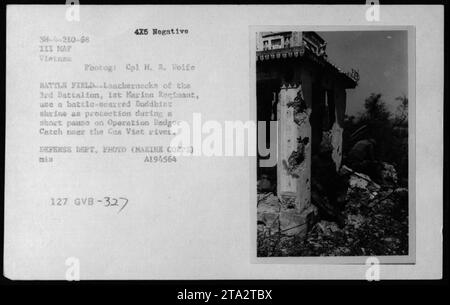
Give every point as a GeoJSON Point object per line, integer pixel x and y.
{"type": "Point", "coordinates": [310, 188]}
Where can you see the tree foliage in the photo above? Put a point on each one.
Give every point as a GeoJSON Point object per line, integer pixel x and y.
{"type": "Point", "coordinates": [390, 130]}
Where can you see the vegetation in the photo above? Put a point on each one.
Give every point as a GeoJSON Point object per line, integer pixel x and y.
{"type": "Point", "coordinates": [390, 130]}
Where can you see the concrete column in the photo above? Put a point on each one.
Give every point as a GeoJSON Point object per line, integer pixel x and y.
{"type": "Point", "coordinates": [294, 148]}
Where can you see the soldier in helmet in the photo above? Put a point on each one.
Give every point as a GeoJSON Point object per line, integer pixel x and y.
{"type": "Point", "coordinates": [361, 158]}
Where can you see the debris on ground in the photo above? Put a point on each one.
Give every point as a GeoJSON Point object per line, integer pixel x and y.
{"type": "Point", "coordinates": [374, 222]}
{"type": "Point", "coordinates": [276, 216]}
{"type": "Point", "coordinates": [388, 174]}
{"type": "Point", "coordinates": [278, 221]}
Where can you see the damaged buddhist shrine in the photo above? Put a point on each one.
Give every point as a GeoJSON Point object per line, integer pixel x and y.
{"type": "Point", "coordinates": [298, 87]}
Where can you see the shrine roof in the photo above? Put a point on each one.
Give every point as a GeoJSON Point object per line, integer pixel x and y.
{"type": "Point", "coordinates": [303, 52]}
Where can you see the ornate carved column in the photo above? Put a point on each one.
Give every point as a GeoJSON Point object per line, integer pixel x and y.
{"type": "Point", "coordinates": [294, 148]}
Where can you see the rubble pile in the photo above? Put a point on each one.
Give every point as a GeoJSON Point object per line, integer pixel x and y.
{"type": "Point", "coordinates": [278, 220]}
{"type": "Point", "coordinates": [375, 222]}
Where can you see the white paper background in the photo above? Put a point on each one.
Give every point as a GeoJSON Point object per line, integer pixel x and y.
{"type": "Point", "coordinates": [190, 220]}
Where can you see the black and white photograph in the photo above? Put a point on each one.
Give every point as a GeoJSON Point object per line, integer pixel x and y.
{"type": "Point", "coordinates": [340, 104]}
